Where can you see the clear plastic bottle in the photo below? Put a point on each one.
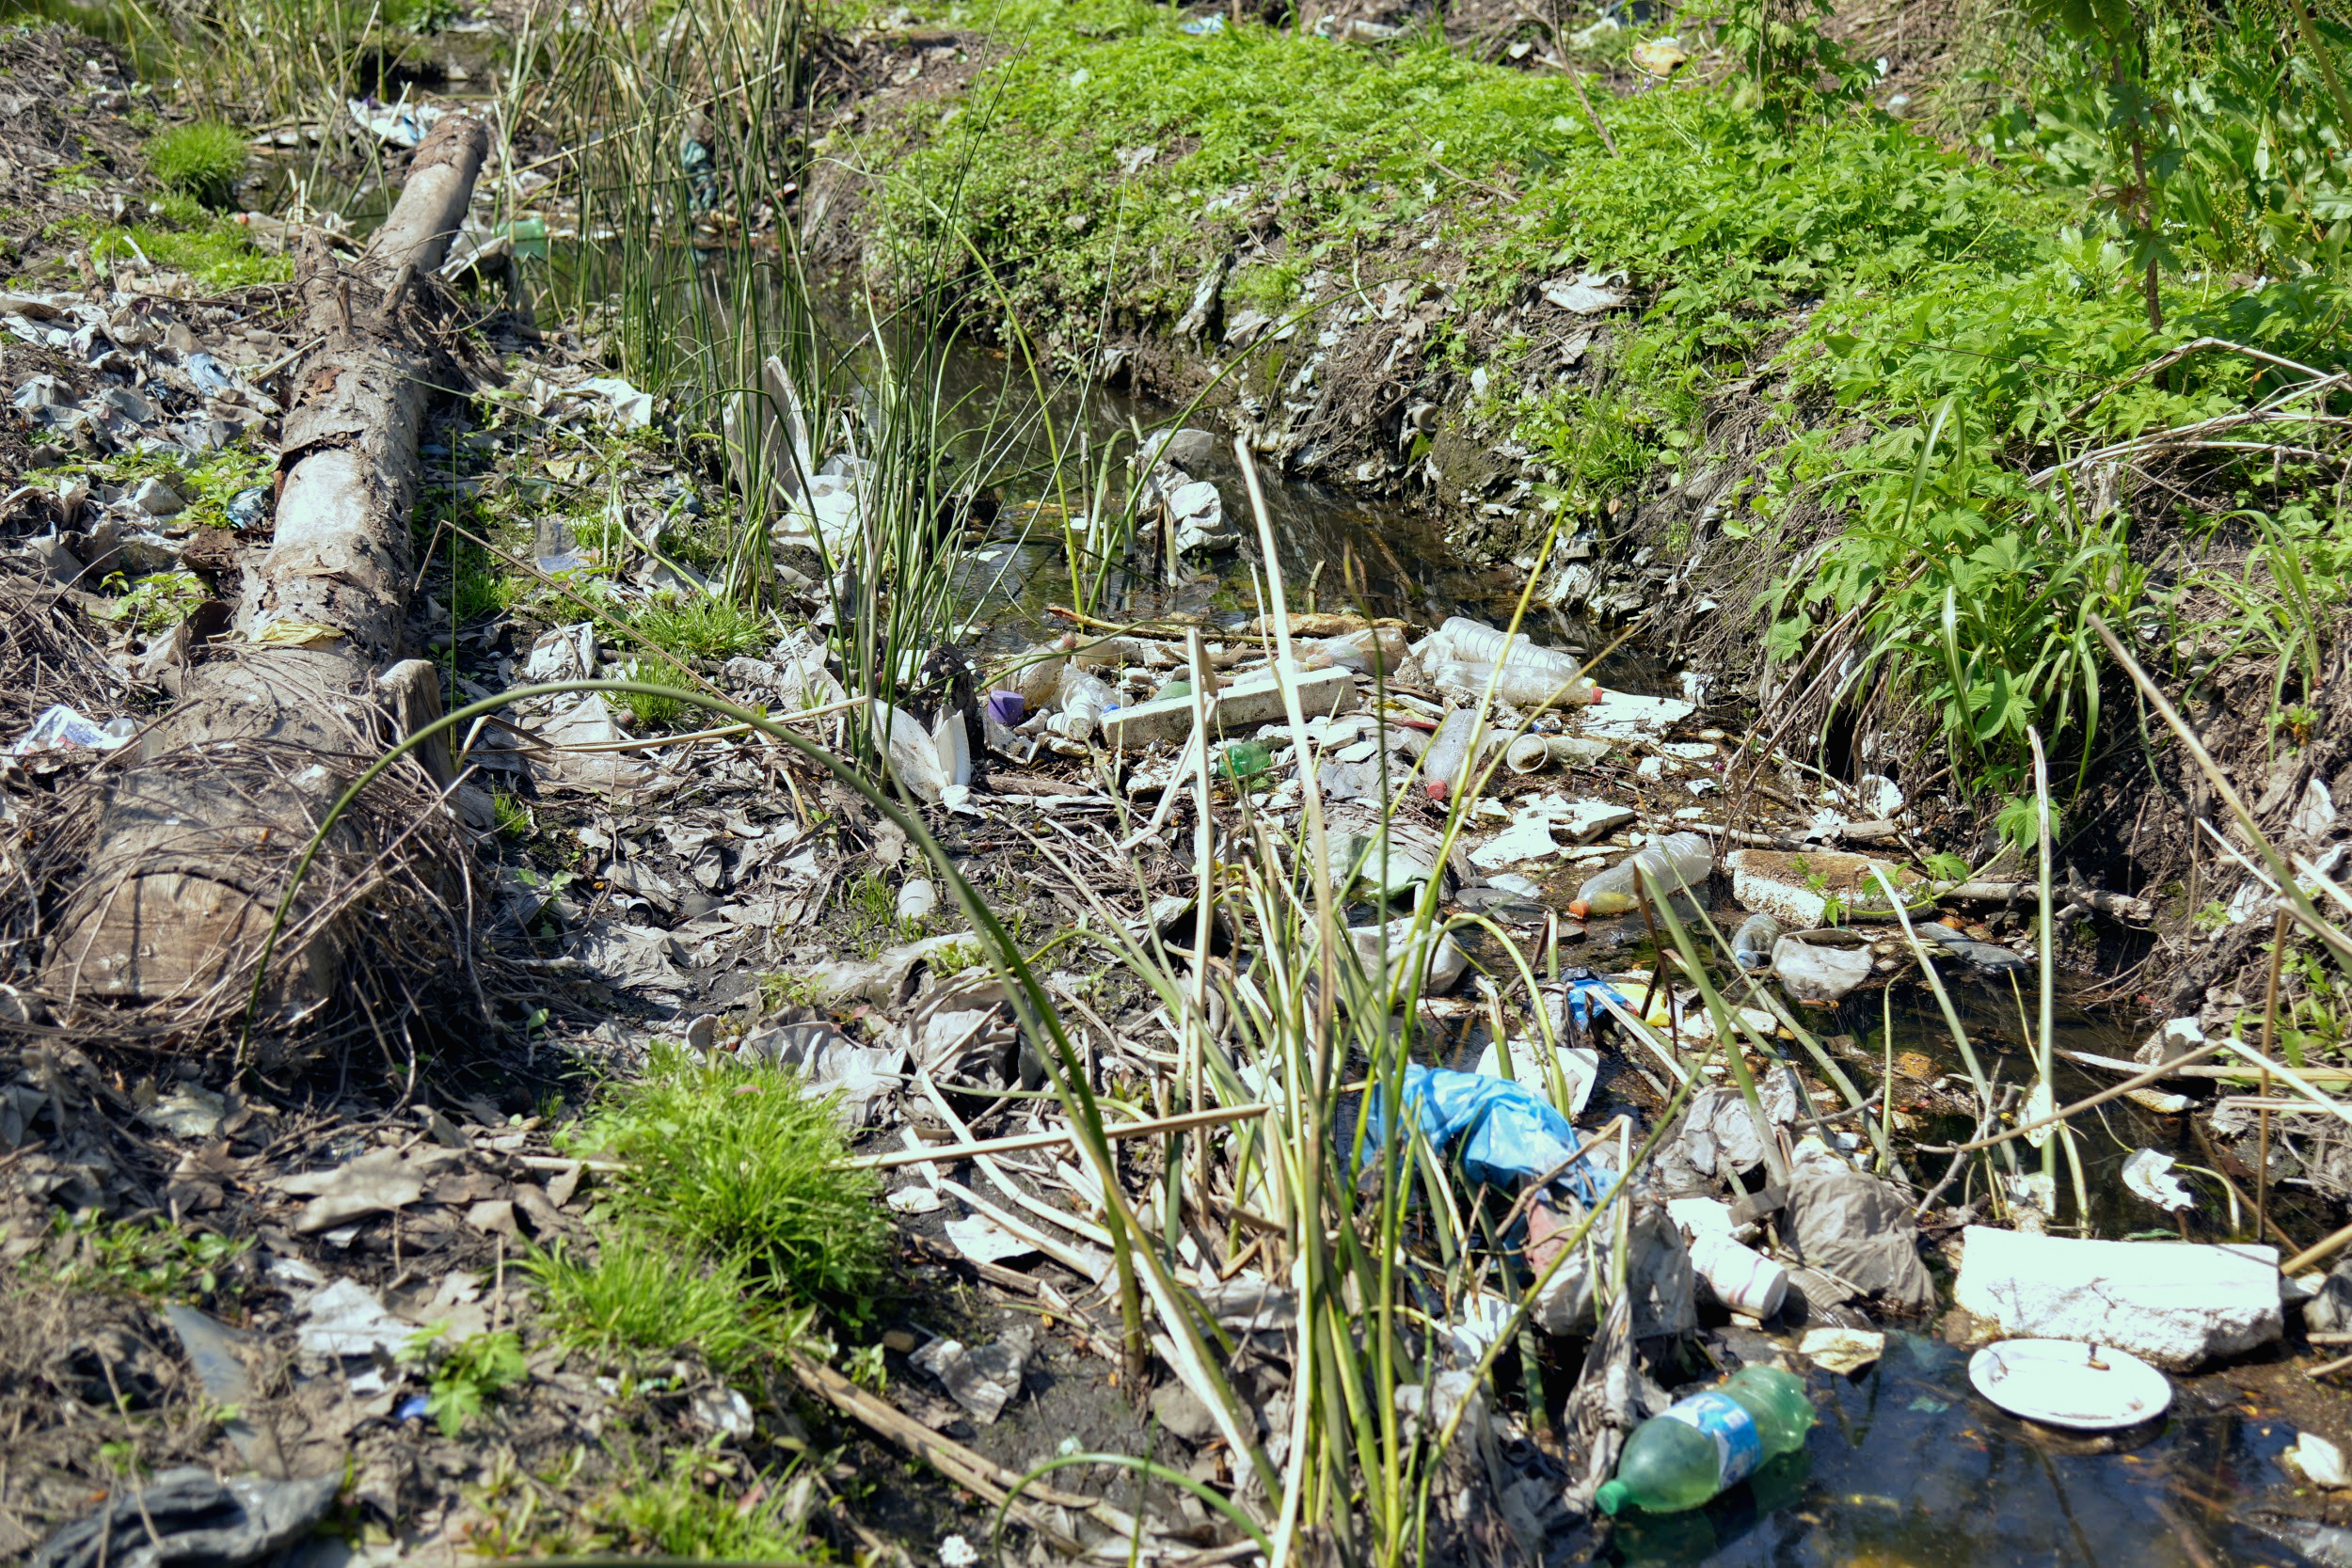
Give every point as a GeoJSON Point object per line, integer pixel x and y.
{"type": "Point", "coordinates": [1752, 944]}
{"type": "Point", "coordinates": [1540, 686]}
{"type": "Point", "coordinates": [1448, 756]}
{"type": "Point", "coordinates": [1710, 1442]}
{"type": "Point", "coordinates": [1081, 701]}
{"type": "Point", "coordinates": [1040, 676]}
{"type": "Point", "coordinates": [1678, 863]}
{"type": "Point", "coordinates": [1468, 642]}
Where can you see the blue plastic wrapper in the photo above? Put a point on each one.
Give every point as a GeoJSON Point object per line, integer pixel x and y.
{"type": "Point", "coordinates": [1503, 1130]}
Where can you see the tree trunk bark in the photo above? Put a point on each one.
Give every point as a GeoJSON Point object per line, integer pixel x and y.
{"type": "Point", "coordinates": [196, 839]}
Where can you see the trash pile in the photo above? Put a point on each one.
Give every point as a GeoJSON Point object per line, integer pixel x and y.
{"type": "Point", "coordinates": [1584, 992]}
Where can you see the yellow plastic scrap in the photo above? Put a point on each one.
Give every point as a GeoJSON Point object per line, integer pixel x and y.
{"type": "Point", "coordinates": [296, 634]}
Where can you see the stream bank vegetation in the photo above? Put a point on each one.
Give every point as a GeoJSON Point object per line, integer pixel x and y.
{"type": "Point", "coordinates": [732, 1049]}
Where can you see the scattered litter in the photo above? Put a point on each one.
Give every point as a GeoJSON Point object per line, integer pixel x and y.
{"type": "Point", "coordinates": [346, 1319]}
{"type": "Point", "coordinates": [631, 410]}
{"type": "Point", "coordinates": [830, 1063]}
{"type": "Point", "coordinates": [1740, 1277]}
{"type": "Point", "coordinates": [1501, 1131]}
{"type": "Point", "coordinates": [1758, 1415]}
{"type": "Point", "coordinates": [983, 1381]}
{"type": "Point", "coordinates": [191, 1517]}
{"type": "Point", "coordinates": [1588, 292]}
{"type": "Point", "coordinates": [1820, 973]}
{"type": "Point", "coordinates": [1854, 1225]}
{"type": "Point", "coordinates": [2320, 1461]}
{"type": "Point", "coordinates": [59, 728]}
{"type": "Point", "coordinates": [1386, 954]}
{"type": "Point", "coordinates": [1678, 865]}
{"type": "Point", "coordinates": [1843, 1350]}
{"type": "Point", "coordinates": [983, 1242]}
{"type": "Point", "coordinates": [1752, 943]}
{"type": "Point", "coordinates": [2066, 1383]}
{"type": "Point", "coordinates": [187, 1111]}
{"type": "Point", "coordinates": [402, 124]}
{"type": "Point", "coordinates": [1578, 1064]}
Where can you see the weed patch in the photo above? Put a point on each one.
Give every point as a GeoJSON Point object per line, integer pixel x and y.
{"type": "Point", "coordinates": [739, 1168]}
{"type": "Point", "coordinates": [640, 1297]}
{"type": "Point", "coordinates": [700, 626]}
{"type": "Point", "coordinates": [143, 1258]}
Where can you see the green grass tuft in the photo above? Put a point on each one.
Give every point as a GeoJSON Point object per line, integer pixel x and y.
{"type": "Point", "coordinates": [679, 1514]}
{"type": "Point", "coordinates": [738, 1168]}
{"type": "Point", "coordinates": [639, 1296]}
{"type": "Point", "coordinates": [700, 626]}
{"type": "Point", "coordinates": [204, 160]}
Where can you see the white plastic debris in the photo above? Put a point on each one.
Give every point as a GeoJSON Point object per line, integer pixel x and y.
{"type": "Point", "coordinates": [401, 124]}
{"type": "Point", "coordinates": [1743, 1280]}
{"type": "Point", "coordinates": [1529, 838]}
{"type": "Point", "coordinates": [2175, 1303]}
{"type": "Point", "coordinates": [2321, 1462]}
{"type": "Point", "coordinates": [1579, 1068]}
{"type": "Point", "coordinates": [1587, 293]}
{"type": "Point", "coordinates": [344, 1318]}
{"type": "Point", "coordinates": [983, 1242]}
{"type": "Point", "coordinates": [983, 1381]}
{"type": "Point", "coordinates": [1442, 968]}
{"type": "Point", "coordinates": [1843, 1350]}
{"type": "Point", "coordinates": [631, 408]}
{"type": "Point", "coordinates": [62, 729]}
{"type": "Point", "coordinates": [917, 898]}
{"type": "Point", "coordinates": [2150, 1174]}
{"type": "Point", "coordinates": [1819, 973]}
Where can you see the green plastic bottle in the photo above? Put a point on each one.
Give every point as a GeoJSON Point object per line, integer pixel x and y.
{"type": "Point", "coordinates": [1246, 762]}
{"type": "Point", "coordinates": [1710, 1442]}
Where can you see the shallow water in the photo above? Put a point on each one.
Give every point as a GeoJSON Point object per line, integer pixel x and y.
{"type": "Point", "coordinates": [1909, 1467]}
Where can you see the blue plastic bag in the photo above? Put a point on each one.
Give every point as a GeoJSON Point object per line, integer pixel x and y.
{"type": "Point", "coordinates": [1503, 1130]}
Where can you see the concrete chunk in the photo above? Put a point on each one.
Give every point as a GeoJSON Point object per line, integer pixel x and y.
{"type": "Point", "coordinates": [1253, 699]}
{"type": "Point", "coordinates": [2171, 1302]}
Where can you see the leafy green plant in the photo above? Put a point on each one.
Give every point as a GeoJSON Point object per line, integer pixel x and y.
{"type": "Point", "coordinates": [203, 160]}
{"type": "Point", "coordinates": [1792, 67]}
{"type": "Point", "coordinates": [158, 601]}
{"type": "Point", "coordinates": [510, 814]}
{"type": "Point", "coordinates": [149, 1258]}
{"type": "Point", "coordinates": [464, 1376]}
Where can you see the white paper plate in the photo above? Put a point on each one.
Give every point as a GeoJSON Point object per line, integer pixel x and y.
{"type": "Point", "coordinates": [2065, 1383]}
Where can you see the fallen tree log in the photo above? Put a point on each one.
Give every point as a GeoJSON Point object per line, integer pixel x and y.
{"type": "Point", "coordinates": [191, 844]}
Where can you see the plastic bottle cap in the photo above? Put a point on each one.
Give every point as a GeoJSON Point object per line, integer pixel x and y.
{"type": "Point", "coordinates": [1577, 907]}
{"type": "Point", "coordinates": [1611, 1496]}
